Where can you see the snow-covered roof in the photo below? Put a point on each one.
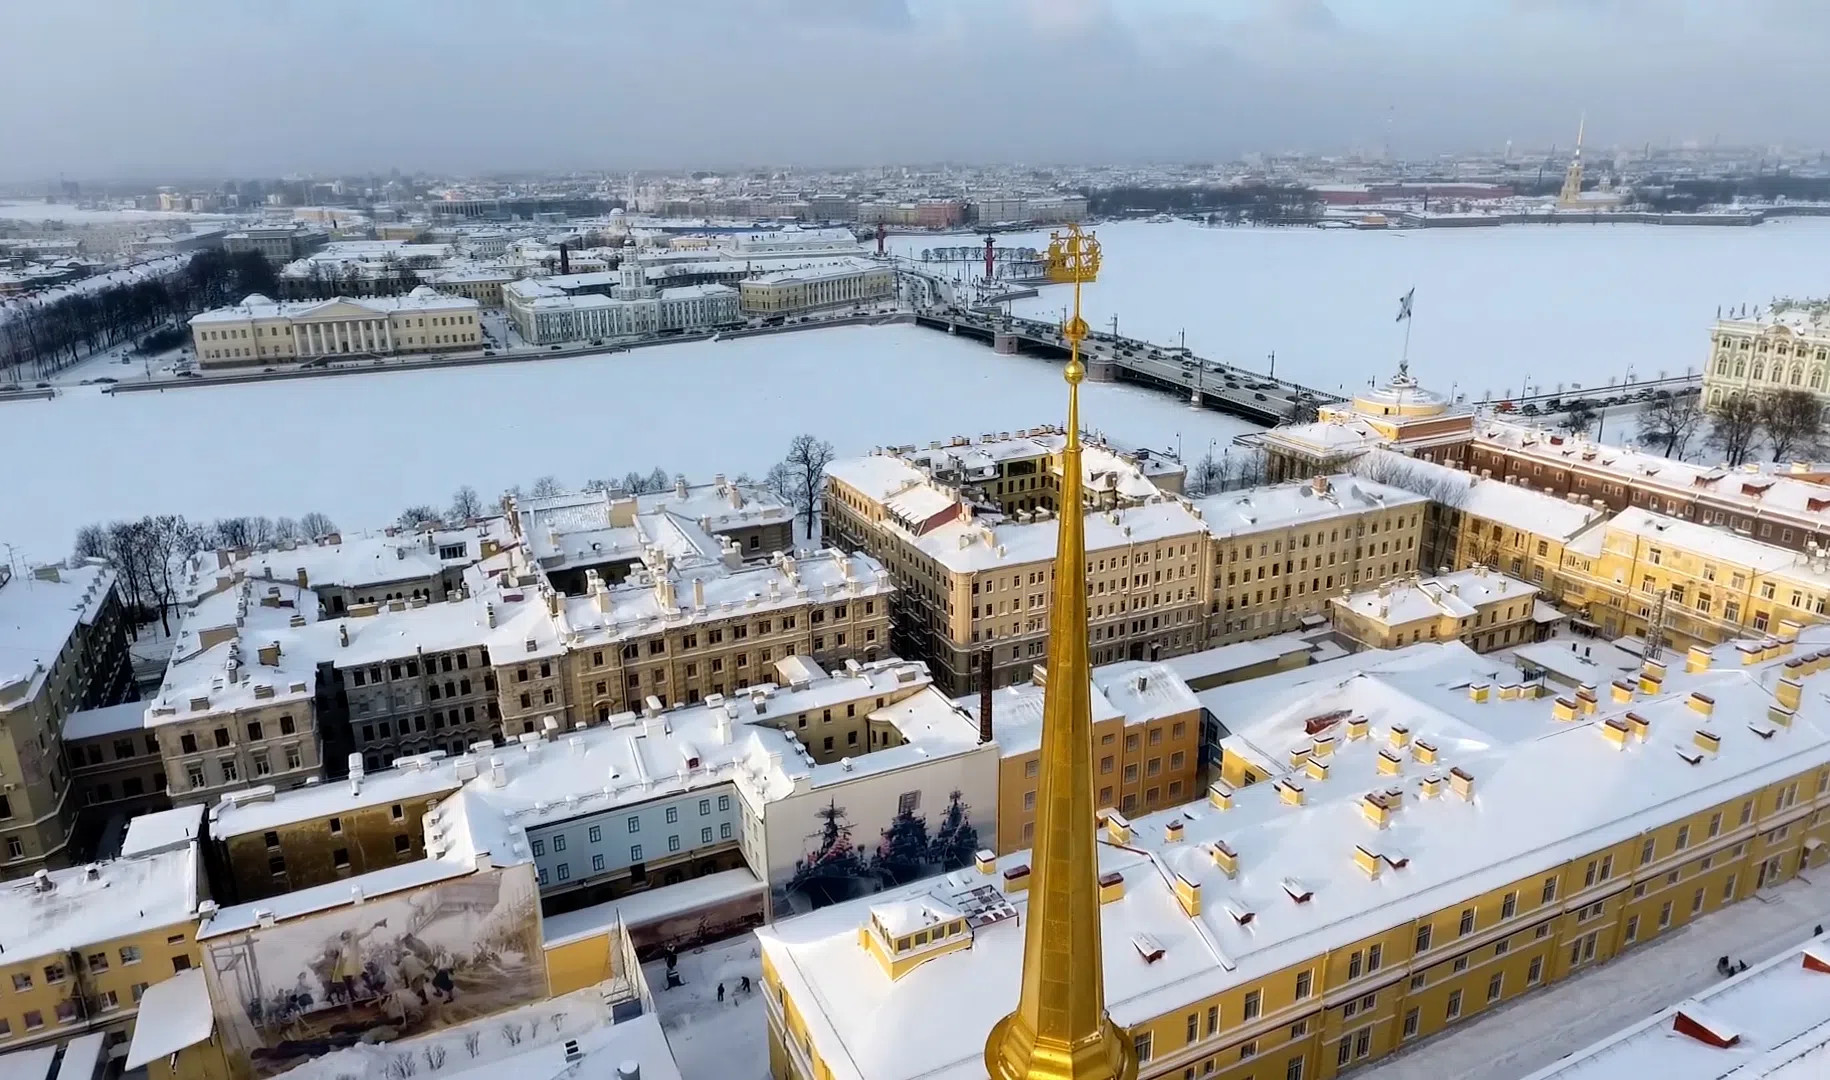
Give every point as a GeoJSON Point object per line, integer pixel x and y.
{"type": "Point", "coordinates": [669, 596]}
{"type": "Point", "coordinates": [1457, 596]}
{"type": "Point", "coordinates": [1539, 792]}
{"type": "Point", "coordinates": [1197, 667]}
{"type": "Point", "coordinates": [1775, 1018]}
{"type": "Point", "coordinates": [162, 830]}
{"type": "Point", "coordinates": [1134, 691]}
{"type": "Point", "coordinates": [1711, 542]}
{"type": "Point", "coordinates": [1753, 491]}
{"type": "Point", "coordinates": [837, 268]}
{"type": "Point", "coordinates": [630, 759]}
{"type": "Point", "coordinates": [259, 809]}
{"type": "Point", "coordinates": [423, 298]}
{"type": "Point", "coordinates": [353, 561]}
{"type": "Point", "coordinates": [98, 902]}
{"type": "Point", "coordinates": [174, 1013]}
{"type": "Point", "coordinates": [594, 527]}
{"type": "Point", "coordinates": [259, 643]}
{"type": "Point", "coordinates": [1298, 503]}
{"type": "Point", "coordinates": [967, 546]}
{"type": "Point", "coordinates": [1516, 506]}
{"type": "Point", "coordinates": [39, 610]}
{"type": "Point", "coordinates": [105, 721]}
{"type": "Point", "coordinates": [575, 1035]}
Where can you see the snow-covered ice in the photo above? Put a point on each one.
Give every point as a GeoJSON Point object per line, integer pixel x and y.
{"type": "Point", "coordinates": [712, 1039]}
{"type": "Point", "coordinates": [363, 447]}
{"type": "Point", "coordinates": [1494, 305]}
{"type": "Point", "coordinates": [1555, 303]}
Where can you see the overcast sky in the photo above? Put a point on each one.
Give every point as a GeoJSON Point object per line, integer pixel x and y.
{"type": "Point", "coordinates": [203, 88]}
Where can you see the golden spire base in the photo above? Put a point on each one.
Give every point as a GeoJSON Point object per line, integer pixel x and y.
{"type": "Point", "coordinates": [1060, 1030]}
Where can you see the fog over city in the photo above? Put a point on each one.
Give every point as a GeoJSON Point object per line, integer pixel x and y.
{"type": "Point", "coordinates": [120, 89]}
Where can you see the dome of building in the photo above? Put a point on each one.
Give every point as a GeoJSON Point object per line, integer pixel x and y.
{"type": "Point", "coordinates": [424, 292]}
{"type": "Point", "coordinates": [254, 299]}
{"type": "Point", "coordinates": [1401, 395]}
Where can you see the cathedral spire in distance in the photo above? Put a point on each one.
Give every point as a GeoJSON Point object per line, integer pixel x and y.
{"type": "Point", "coordinates": [1060, 1030]}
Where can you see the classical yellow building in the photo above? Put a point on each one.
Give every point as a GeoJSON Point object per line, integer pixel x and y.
{"type": "Point", "coordinates": [843, 283]}
{"type": "Point", "coordinates": [967, 532]}
{"type": "Point", "coordinates": [1715, 584]}
{"type": "Point", "coordinates": [1483, 609]}
{"type": "Point", "coordinates": [82, 945]}
{"type": "Point", "coordinates": [1146, 745]}
{"type": "Point", "coordinates": [260, 331]}
{"type": "Point", "coordinates": [1453, 874]}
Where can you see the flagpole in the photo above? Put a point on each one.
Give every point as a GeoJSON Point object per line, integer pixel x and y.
{"type": "Point", "coordinates": [1404, 361]}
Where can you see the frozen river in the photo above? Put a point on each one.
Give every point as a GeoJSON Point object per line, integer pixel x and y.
{"type": "Point", "coordinates": [361, 448]}
{"type": "Point", "coordinates": [1495, 306]}
{"type": "Point", "coordinates": [1569, 303]}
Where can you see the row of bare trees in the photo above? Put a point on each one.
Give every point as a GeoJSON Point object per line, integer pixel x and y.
{"type": "Point", "coordinates": [38, 338]}
{"type": "Point", "coordinates": [1228, 472]}
{"type": "Point", "coordinates": [1786, 423]}
{"type": "Point", "coordinates": [149, 553]}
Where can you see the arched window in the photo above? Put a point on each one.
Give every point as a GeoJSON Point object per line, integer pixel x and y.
{"type": "Point", "coordinates": [1740, 368]}
{"type": "Point", "coordinates": [1715, 397]}
{"type": "Point", "coordinates": [1817, 378]}
{"type": "Point", "coordinates": [1798, 375]}
{"type": "Point", "coordinates": [1722, 365]}
{"type": "Point", "coordinates": [1759, 371]}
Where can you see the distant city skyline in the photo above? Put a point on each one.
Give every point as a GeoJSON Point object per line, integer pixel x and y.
{"type": "Point", "coordinates": [109, 89]}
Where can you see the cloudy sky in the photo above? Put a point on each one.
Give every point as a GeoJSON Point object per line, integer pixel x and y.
{"type": "Point", "coordinates": [199, 88]}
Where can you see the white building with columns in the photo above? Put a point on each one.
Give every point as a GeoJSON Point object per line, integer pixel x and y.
{"type": "Point", "coordinates": [263, 331]}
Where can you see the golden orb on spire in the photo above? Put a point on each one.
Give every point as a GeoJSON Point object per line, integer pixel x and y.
{"type": "Point", "coordinates": [1060, 1029]}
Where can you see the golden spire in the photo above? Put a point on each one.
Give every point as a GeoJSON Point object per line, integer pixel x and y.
{"type": "Point", "coordinates": [1060, 1030]}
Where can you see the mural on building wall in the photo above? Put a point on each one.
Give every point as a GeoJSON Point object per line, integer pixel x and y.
{"type": "Point", "coordinates": [836, 868]}
{"type": "Point", "coordinates": [386, 969]}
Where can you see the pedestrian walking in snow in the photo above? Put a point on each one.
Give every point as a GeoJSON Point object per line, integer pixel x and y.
{"type": "Point", "coordinates": [744, 984]}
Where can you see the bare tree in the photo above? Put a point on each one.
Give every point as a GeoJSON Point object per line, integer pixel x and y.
{"type": "Point", "coordinates": [657, 479]}
{"type": "Point", "coordinates": [316, 524]}
{"type": "Point", "coordinates": [1579, 418]}
{"type": "Point", "coordinates": [92, 542]}
{"type": "Point", "coordinates": [1734, 424]}
{"type": "Point", "coordinates": [465, 505]}
{"type": "Point", "coordinates": [1670, 422]}
{"type": "Point", "coordinates": [806, 464]}
{"type": "Point", "coordinates": [1207, 477]}
{"type": "Point", "coordinates": [1792, 423]}
{"type": "Point", "coordinates": [130, 550]}
{"type": "Point", "coordinates": [260, 531]}
{"type": "Point", "coordinates": [170, 542]}
{"type": "Point", "coordinates": [545, 486]}
{"type": "Point", "coordinates": [414, 516]}
{"type": "Point", "coordinates": [284, 529]}
{"type": "Point", "coordinates": [233, 532]}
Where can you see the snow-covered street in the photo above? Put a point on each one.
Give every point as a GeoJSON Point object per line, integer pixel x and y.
{"type": "Point", "coordinates": [1534, 1031]}
{"type": "Point", "coordinates": [712, 1039]}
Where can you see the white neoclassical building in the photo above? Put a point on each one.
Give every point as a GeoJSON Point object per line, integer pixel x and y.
{"type": "Point", "coordinates": [573, 307]}
{"type": "Point", "coordinates": [263, 331]}
{"type": "Point", "coordinates": [1786, 347]}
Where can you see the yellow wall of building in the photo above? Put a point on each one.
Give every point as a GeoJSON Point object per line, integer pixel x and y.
{"type": "Point", "coordinates": [1517, 937]}
{"type": "Point", "coordinates": [581, 962]}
